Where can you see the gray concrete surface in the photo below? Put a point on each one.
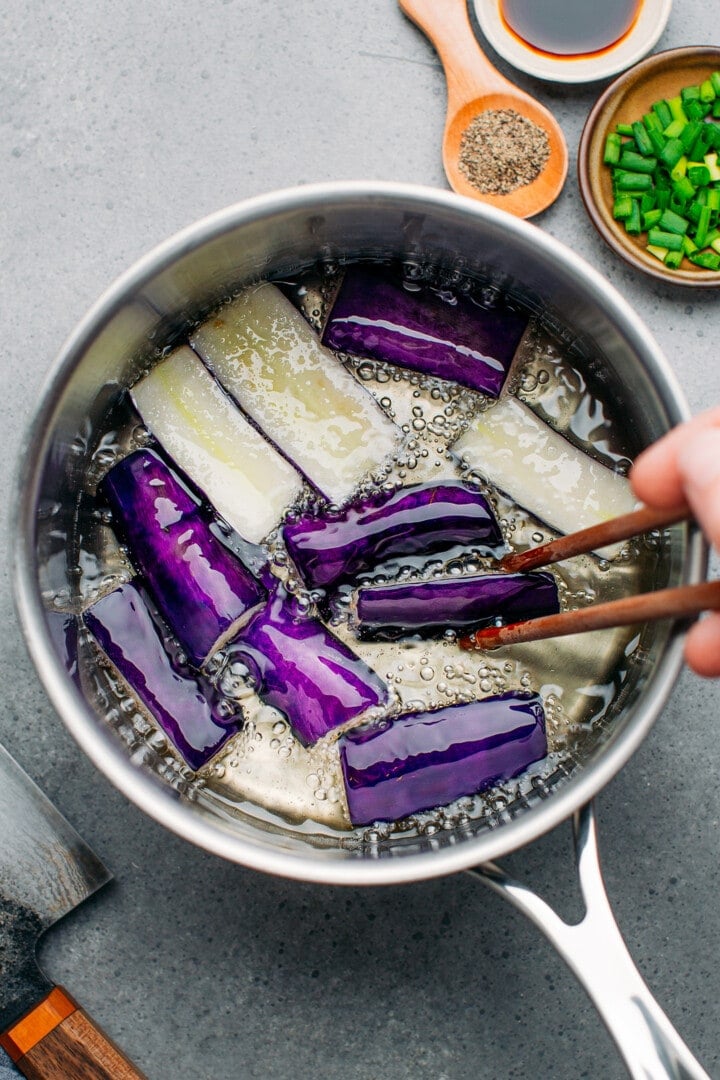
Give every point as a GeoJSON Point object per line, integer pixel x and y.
{"type": "Point", "coordinates": [120, 124]}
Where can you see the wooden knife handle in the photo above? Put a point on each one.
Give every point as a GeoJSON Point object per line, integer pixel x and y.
{"type": "Point", "coordinates": [58, 1041]}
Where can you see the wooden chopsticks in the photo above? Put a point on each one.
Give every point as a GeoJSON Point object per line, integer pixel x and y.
{"type": "Point", "coordinates": [683, 601]}
{"type": "Point", "coordinates": [597, 536]}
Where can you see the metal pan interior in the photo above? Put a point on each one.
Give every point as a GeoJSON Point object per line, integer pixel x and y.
{"type": "Point", "coordinates": [154, 304]}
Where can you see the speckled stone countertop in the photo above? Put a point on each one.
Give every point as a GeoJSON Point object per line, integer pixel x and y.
{"type": "Point", "coordinates": [121, 124]}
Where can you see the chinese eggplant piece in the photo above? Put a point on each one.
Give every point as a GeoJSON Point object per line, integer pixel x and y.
{"type": "Point", "coordinates": [268, 358]}
{"type": "Point", "coordinates": [376, 316]}
{"type": "Point", "coordinates": [303, 670]}
{"type": "Point", "coordinates": [427, 759]}
{"type": "Point", "coordinates": [541, 470]}
{"type": "Point", "coordinates": [182, 703]}
{"type": "Point", "coordinates": [201, 428]}
{"type": "Point", "coordinates": [203, 591]}
{"type": "Point", "coordinates": [431, 606]}
{"type": "Point", "coordinates": [414, 520]}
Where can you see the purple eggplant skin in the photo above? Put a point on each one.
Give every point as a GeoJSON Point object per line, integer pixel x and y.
{"type": "Point", "coordinates": [182, 702]}
{"type": "Point", "coordinates": [426, 759]}
{"type": "Point", "coordinates": [413, 520]}
{"type": "Point", "coordinates": [200, 587]}
{"type": "Point", "coordinates": [431, 606]}
{"type": "Point", "coordinates": [375, 316]}
{"type": "Point", "coordinates": [303, 670]}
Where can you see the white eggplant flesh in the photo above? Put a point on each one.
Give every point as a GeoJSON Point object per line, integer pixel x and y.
{"type": "Point", "coordinates": [270, 360]}
{"type": "Point", "coordinates": [542, 471]}
{"type": "Point", "coordinates": [201, 428]}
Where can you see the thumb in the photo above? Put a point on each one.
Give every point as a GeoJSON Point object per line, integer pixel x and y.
{"type": "Point", "coordinates": [699, 468]}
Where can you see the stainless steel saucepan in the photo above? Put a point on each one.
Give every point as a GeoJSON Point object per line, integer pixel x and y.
{"type": "Point", "coordinates": [279, 234]}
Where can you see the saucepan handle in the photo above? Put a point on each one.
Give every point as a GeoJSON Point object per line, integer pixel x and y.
{"type": "Point", "coordinates": [595, 951]}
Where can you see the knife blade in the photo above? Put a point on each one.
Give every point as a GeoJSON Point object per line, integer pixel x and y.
{"type": "Point", "coordinates": [46, 870]}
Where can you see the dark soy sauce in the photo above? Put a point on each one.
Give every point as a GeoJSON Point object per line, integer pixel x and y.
{"type": "Point", "coordinates": [570, 27]}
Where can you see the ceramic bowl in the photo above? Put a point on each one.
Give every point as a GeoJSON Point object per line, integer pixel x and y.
{"type": "Point", "coordinates": [642, 36]}
{"type": "Point", "coordinates": [662, 75]}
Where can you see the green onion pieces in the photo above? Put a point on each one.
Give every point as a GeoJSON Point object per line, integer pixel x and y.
{"type": "Point", "coordinates": [666, 177]}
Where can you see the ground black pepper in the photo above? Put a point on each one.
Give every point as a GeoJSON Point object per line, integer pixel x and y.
{"type": "Point", "coordinates": [500, 150]}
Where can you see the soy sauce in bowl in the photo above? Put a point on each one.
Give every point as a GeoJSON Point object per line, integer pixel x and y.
{"type": "Point", "coordinates": [569, 27]}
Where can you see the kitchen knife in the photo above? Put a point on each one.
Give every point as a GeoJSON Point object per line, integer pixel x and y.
{"type": "Point", "coordinates": [46, 870]}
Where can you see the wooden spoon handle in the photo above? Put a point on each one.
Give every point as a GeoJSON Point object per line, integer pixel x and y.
{"type": "Point", "coordinates": [57, 1040]}
{"type": "Point", "coordinates": [468, 71]}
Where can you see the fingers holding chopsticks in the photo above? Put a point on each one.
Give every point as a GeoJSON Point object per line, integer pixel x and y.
{"type": "Point", "coordinates": [702, 645]}
{"type": "Point", "coordinates": [667, 474]}
{"type": "Point", "coordinates": [684, 467]}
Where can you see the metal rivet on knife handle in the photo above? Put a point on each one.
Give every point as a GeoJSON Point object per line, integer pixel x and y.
{"type": "Point", "coordinates": [58, 1041]}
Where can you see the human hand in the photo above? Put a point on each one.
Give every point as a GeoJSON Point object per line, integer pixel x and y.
{"type": "Point", "coordinates": [683, 469]}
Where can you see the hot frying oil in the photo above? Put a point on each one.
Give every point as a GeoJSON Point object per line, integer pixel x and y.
{"type": "Point", "coordinates": [263, 771]}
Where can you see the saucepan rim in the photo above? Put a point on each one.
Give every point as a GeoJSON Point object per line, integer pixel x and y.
{"type": "Point", "coordinates": [107, 752]}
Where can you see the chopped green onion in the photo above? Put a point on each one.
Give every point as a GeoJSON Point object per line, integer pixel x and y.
{"type": "Point", "coordinates": [641, 138]}
{"type": "Point", "coordinates": [657, 141]}
{"type": "Point", "coordinates": [699, 175]}
{"type": "Point", "coordinates": [658, 252]}
{"type": "Point", "coordinates": [632, 181]}
{"type": "Point", "coordinates": [710, 260]}
{"type": "Point", "coordinates": [703, 227]}
{"type": "Point", "coordinates": [672, 222]}
{"type": "Point", "coordinates": [700, 147]}
{"type": "Point", "coordinates": [662, 111]}
{"type": "Point", "coordinates": [711, 162]}
{"type": "Point", "coordinates": [633, 223]}
{"type": "Point", "coordinates": [672, 153]}
{"type": "Point", "coordinates": [697, 110]}
{"type": "Point", "coordinates": [622, 208]}
{"type": "Point", "coordinates": [674, 128]}
{"type": "Point", "coordinates": [683, 188]}
{"type": "Point", "coordinates": [707, 91]}
{"type": "Point", "coordinates": [675, 105]}
{"type": "Point", "coordinates": [660, 238]}
{"type": "Point", "coordinates": [693, 211]}
{"type": "Point", "coordinates": [677, 203]}
{"type": "Point", "coordinates": [689, 134]}
{"type": "Point", "coordinates": [666, 176]}
{"type": "Point", "coordinates": [637, 162]}
{"type": "Point", "coordinates": [662, 198]}
{"type": "Point", "coordinates": [679, 169]}
{"type": "Point", "coordinates": [612, 149]}
{"type": "Point", "coordinates": [711, 136]}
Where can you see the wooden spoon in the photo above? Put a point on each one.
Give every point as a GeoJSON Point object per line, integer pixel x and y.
{"type": "Point", "coordinates": [475, 86]}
